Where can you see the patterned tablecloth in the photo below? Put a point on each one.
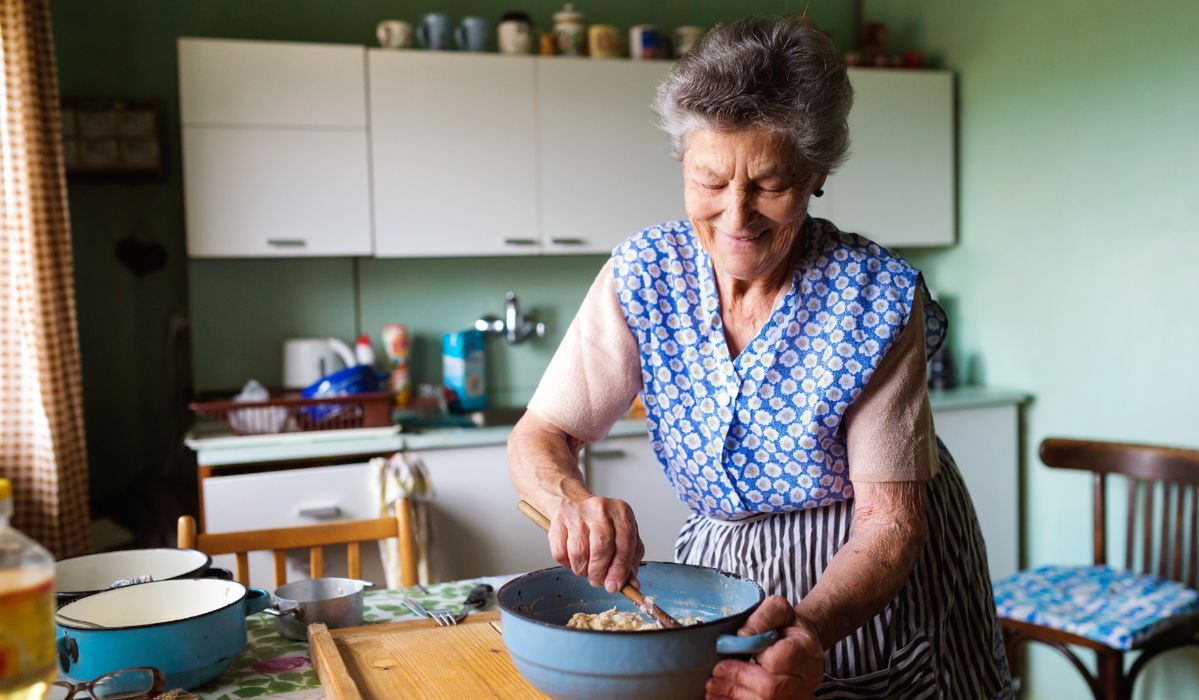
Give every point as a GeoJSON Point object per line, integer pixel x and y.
{"type": "Point", "coordinates": [277, 667]}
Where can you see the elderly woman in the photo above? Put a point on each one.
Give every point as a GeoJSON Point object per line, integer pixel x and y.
{"type": "Point", "coordinates": [782, 366]}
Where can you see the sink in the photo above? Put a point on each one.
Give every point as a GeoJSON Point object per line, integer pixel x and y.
{"type": "Point", "coordinates": [497, 416]}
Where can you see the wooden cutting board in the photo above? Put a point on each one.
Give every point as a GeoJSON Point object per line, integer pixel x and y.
{"type": "Point", "coordinates": [417, 659]}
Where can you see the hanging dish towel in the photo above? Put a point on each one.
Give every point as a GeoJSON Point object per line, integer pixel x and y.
{"type": "Point", "coordinates": [403, 475]}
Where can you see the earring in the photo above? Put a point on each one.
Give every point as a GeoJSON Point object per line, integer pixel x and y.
{"type": "Point", "coordinates": [818, 193]}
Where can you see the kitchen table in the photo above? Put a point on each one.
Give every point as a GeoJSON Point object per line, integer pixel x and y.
{"type": "Point", "coordinates": [275, 667]}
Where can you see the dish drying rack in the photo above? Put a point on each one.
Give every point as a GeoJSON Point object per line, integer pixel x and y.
{"type": "Point", "coordinates": [287, 412]}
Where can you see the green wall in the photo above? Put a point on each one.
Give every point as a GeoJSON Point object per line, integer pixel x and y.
{"type": "Point", "coordinates": [1075, 270]}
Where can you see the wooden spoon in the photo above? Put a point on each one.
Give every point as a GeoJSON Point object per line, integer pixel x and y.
{"type": "Point", "coordinates": [629, 591]}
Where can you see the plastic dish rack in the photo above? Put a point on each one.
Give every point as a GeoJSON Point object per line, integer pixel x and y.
{"type": "Point", "coordinates": [287, 413]}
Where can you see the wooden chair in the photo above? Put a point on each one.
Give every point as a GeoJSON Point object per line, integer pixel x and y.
{"type": "Point", "coordinates": [1163, 497]}
{"type": "Point", "coordinates": [351, 533]}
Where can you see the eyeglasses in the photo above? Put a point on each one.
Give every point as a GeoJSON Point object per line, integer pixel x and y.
{"type": "Point", "coordinates": [126, 684]}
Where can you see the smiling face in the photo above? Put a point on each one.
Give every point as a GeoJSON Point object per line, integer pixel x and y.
{"type": "Point", "coordinates": [747, 195]}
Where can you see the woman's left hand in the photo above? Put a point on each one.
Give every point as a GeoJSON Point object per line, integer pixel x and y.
{"type": "Point", "coordinates": [792, 667]}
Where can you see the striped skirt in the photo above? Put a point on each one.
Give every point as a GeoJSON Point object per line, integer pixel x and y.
{"type": "Point", "coordinates": [937, 639]}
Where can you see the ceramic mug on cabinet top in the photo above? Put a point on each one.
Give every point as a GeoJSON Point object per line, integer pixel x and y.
{"type": "Point", "coordinates": [473, 34]}
{"type": "Point", "coordinates": [395, 34]}
{"type": "Point", "coordinates": [515, 34]}
{"type": "Point", "coordinates": [435, 32]}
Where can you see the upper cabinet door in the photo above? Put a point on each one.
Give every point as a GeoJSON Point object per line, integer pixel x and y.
{"type": "Point", "coordinates": [276, 192]}
{"type": "Point", "coordinates": [269, 83]}
{"type": "Point", "coordinates": [606, 168]}
{"type": "Point", "coordinates": [898, 186]}
{"type": "Point", "coordinates": [453, 154]}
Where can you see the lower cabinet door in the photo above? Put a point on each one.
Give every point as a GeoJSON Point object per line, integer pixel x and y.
{"type": "Point", "coordinates": [985, 444]}
{"type": "Point", "coordinates": [477, 529]}
{"type": "Point", "coordinates": [289, 498]}
{"type": "Point", "coordinates": [626, 468]}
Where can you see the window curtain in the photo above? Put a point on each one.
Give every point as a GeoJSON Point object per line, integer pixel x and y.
{"type": "Point", "coordinates": [41, 397]}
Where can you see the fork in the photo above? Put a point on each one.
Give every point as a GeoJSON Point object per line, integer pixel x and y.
{"type": "Point", "coordinates": [477, 598]}
{"type": "Point", "coordinates": [442, 616]}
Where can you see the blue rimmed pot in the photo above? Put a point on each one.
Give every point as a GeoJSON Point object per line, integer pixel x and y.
{"type": "Point", "coordinates": [190, 629]}
{"type": "Point", "coordinates": [660, 664]}
{"type": "Point", "coordinates": [91, 573]}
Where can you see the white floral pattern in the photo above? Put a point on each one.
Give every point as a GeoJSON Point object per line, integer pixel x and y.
{"type": "Point", "coordinates": [1118, 608]}
{"type": "Point", "coordinates": [760, 433]}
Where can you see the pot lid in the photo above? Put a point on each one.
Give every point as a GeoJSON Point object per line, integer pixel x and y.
{"type": "Point", "coordinates": [154, 603]}
{"type": "Point", "coordinates": [97, 572]}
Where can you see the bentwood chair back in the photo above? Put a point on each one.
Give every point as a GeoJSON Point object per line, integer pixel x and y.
{"type": "Point", "coordinates": [350, 533]}
{"type": "Point", "coordinates": [1150, 604]}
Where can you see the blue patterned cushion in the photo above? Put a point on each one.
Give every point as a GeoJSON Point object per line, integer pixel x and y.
{"type": "Point", "coordinates": [1118, 608]}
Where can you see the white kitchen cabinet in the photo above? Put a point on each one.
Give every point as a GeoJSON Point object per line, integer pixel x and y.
{"type": "Point", "coordinates": [897, 188]}
{"type": "Point", "coordinates": [289, 498]}
{"type": "Point", "coordinates": [627, 468]}
{"type": "Point", "coordinates": [453, 154]}
{"type": "Point", "coordinates": [265, 193]}
{"type": "Point", "coordinates": [225, 82]}
{"type": "Point", "coordinates": [275, 160]}
{"type": "Point", "coordinates": [605, 167]}
{"type": "Point", "coordinates": [477, 529]}
{"type": "Point", "coordinates": [985, 444]}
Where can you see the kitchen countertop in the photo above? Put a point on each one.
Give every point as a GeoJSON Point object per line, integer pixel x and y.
{"type": "Point", "coordinates": [215, 447]}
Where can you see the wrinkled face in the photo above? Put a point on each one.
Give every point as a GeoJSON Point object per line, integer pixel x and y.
{"type": "Point", "coordinates": [747, 196]}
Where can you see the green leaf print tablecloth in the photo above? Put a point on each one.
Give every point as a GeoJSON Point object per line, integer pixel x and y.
{"type": "Point", "coordinates": [277, 667]}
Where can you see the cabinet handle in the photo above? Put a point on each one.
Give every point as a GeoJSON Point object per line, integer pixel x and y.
{"type": "Point", "coordinates": [321, 513]}
{"type": "Point", "coordinates": [608, 454]}
{"type": "Point", "coordinates": [286, 242]}
{"type": "Point", "coordinates": [568, 241]}
{"type": "Point", "coordinates": [520, 241]}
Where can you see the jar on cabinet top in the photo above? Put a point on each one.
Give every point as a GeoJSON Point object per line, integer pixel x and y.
{"type": "Point", "coordinates": [570, 31]}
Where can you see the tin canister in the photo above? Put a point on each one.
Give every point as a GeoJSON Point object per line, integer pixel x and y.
{"type": "Point", "coordinates": [603, 41]}
{"type": "Point", "coordinates": [685, 38]}
{"type": "Point", "coordinates": [646, 42]}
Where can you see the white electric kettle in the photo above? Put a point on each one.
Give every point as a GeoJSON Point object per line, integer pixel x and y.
{"type": "Point", "coordinates": [305, 360]}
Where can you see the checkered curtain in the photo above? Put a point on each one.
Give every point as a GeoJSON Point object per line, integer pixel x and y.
{"type": "Point", "coordinates": [41, 398]}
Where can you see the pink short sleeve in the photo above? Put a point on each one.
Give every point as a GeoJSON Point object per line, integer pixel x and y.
{"type": "Point", "coordinates": [889, 428]}
{"type": "Point", "coordinates": [596, 371]}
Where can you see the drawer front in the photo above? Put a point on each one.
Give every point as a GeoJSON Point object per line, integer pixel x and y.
{"type": "Point", "coordinates": [289, 498]}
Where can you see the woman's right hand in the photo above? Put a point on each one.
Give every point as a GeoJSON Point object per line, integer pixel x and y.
{"type": "Point", "coordinates": [597, 538]}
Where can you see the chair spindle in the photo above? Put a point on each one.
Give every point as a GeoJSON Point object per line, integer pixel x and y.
{"type": "Point", "coordinates": [316, 561]}
{"type": "Point", "coordinates": [243, 568]}
{"type": "Point", "coordinates": [1099, 522]}
{"type": "Point", "coordinates": [1193, 543]}
{"type": "Point", "coordinates": [1176, 549]}
{"type": "Point", "coordinates": [1130, 532]}
{"type": "Point", "coordinates": [353, 562]}
{"type": "Point", "coordinates": [1147, 552]}
{"type": "Point", "coordinates": [280, 567]}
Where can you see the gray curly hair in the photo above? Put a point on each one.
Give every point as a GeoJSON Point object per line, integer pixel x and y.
{"type": "Point", "coordinates": [764, 73]}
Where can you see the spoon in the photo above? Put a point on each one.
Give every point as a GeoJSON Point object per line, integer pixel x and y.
{"type": "Point", "coordinates": [629, 591]}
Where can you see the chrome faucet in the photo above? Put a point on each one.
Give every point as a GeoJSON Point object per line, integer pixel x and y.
{"type": "Point", "coordinates": [514, 326]}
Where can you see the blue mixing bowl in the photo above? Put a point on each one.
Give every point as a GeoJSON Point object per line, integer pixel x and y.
{"type": "Point", "coordinates": [654, 664]}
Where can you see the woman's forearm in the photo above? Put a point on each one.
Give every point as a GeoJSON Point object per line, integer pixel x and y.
{"type": "Point", "coordinates": [543, 462]}
{"type": "Point", "coordinates": [889, 531]}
